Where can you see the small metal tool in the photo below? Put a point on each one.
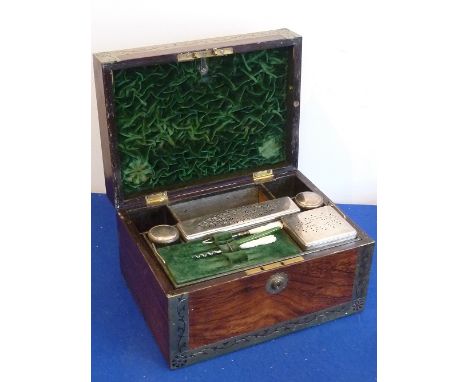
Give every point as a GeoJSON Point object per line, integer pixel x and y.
{"type": "Point", "coordinates": [267, 227]}
{"type": "Point", "coordinates": [163, 234]}
{"type": "Point", "coordinates": [308, 200]}
{"type": "Point", "coordinates": [263, 228]}
{"type": "Point", "coordinates": [269, 239]}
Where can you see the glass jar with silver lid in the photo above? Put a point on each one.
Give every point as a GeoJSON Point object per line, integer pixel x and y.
{"type": "Point", "coordinates": [163, 234]}
{"type": "Point", "coordinates": [308, 200]}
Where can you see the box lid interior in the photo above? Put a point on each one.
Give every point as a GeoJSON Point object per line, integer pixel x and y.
{"type": "Point", "coordinates": [180, 123]}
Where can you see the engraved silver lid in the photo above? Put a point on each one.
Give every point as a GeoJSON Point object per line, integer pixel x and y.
{"type": "Point", "coordinates": [163, 234]}
{"type": "Point", "coordinates": [308, 200]}
{"type": "Point", "coordinates": [318, 228]}
{"type": "Point", "coordinates": [235, 219]}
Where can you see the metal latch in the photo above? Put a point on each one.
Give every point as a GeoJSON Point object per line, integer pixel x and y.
{"type": "Point", "coordinates": [262, 176]}
{"type": "Point", "coordinates": [215, 52]}
{"type": "Point", "coordinates": [157, 199]}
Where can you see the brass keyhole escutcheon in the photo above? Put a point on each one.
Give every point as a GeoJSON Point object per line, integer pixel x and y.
{"type": "Point", "coordinates": [277, 283]}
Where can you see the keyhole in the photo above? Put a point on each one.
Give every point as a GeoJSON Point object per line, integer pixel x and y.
{"type": "Point", "coordinates": [277, 284]}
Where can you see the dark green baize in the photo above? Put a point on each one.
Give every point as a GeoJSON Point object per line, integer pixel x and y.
{"type": "Point", "coordinates": [176, 125]}
{"type": "Point", "coordinates": [183, 268]}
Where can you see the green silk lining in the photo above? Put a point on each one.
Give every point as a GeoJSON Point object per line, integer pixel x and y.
{"type": "Point", "coordinates": [176, 125]}
{"type": "Point", "coordinates": [184, 269]}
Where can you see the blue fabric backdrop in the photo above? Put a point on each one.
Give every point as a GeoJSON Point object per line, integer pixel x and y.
{"type": "Point", "coordinates": [123, 348]}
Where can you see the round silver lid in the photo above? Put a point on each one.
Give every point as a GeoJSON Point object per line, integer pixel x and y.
{"type": "Point", "coordinates": [163, 234]}
{"type": "Point", "coordinates": [308, 200]}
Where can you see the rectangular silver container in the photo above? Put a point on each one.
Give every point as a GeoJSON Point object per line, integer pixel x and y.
{"type": "Point", "coordinates": [220, 202]}
{"type": "Point", "coordinates": [318, 228]}
{"type": "Point", "coordinates": [236, 219]}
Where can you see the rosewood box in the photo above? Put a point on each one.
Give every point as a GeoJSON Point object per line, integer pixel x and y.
{"type": "Point", "coordinates": [205, 127]}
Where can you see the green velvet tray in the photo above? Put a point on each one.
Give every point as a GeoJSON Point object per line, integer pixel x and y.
{"type": "Point", "coordinates": [176, 125]}
{"type": "Point", "coordinates": [183, 269]}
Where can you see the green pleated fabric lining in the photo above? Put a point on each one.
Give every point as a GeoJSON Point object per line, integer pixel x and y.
{"type": "Point", "coordinates": [184, 269]}
{"type": "Point", "coordinates": [176, 125]}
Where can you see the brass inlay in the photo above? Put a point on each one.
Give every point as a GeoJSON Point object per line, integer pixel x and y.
{"type": "Point", "coordinates": [271, 266]}
{"type": "Point", "coordinates": [262, 176]}
{"type": "Point", "coordinates": [253, 271]}
{"type": "Point", "coordinates": [215, 52]}
{"type": "Point", "coordinates": [156, 199]}
{"type": "Point", "coordinates": [293, 260]}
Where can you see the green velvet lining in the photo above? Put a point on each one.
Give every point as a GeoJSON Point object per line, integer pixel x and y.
{"type": "Point", "coordinates": [184, 269]}
{"type": "Point", "coordinates": [176, 125]}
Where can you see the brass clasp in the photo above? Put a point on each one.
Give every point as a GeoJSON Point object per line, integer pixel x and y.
{"type": "Point", "coordinates": [215, 52]}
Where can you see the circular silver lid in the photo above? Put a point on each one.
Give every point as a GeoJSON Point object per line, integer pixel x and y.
{"type": "Point", "coordinates": [163, 234]}
{"type": "Point", "coordinates": [308, 200]}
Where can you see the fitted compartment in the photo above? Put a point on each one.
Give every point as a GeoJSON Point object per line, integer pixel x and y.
{"type": "Point", "coordinates": [179, 259]}
{"type": "Point", "coordinates": [145, 218]}
{"type": "Point", "coordinates": [184, 268]}
{"type": "Point", "coordinates": [287, 186]}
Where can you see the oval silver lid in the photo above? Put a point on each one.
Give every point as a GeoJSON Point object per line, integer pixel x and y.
{"type": "Point", "coordinates": [163, 234]}
{"type": "Point", "coordinates": [308, 200]}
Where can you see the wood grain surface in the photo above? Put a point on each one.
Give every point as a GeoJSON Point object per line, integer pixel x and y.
{"type": "Point", "coordinates": [145, 287]}
{"type": "Point", "coordinates": [243, 305]}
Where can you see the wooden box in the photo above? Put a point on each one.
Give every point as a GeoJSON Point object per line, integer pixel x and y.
{"type": "Point", "coordinates": [211, 317]}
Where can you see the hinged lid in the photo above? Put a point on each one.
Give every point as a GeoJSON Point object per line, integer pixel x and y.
{"type": "Point", "coordinates": [179, 118]}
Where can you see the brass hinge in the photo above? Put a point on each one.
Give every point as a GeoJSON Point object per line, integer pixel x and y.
{"type": "Point", "coordinates": [157, 199]}
{"type": "Point", "coordinates": [215, 52]}
{"type": "Point", "coordinates": [262, 176]}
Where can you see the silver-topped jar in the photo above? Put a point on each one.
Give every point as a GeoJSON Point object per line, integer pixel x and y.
{"type": "Point", "coordinates": [308, 200]}
{"type": "Point", "coordinates": [163, 234]}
